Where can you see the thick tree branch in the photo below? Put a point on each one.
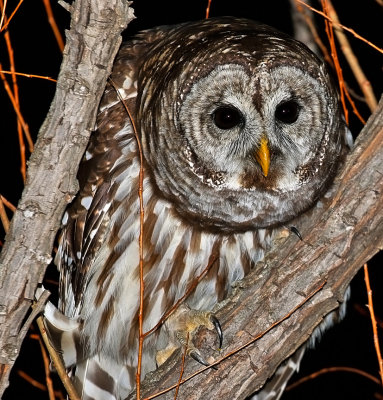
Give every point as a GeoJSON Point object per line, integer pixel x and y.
{"type": "Point", "coordinates": [342, 233]}
{"type": "Point", "coordinates": [92, 43]}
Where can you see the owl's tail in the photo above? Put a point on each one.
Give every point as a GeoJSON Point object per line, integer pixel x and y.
{"type": "Point", "coordinates": [275, 387]}
{"type": "Point", "coordinates": [96, 377]}
{"type": "Point", "coordinates": [64, 334]}
{"type": "Point", "coordinates": [101, 378]}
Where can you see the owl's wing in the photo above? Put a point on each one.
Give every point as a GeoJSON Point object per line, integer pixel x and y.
{"type": "Point", "coordinates": [86, 220]}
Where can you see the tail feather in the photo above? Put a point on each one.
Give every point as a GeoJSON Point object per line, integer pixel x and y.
{"type": "Point", "coordinates": [96, 377]}
{"type": "Point", "coordinates": [102, 379]}
{"type": "Point", "coordinates": [64, 334]}
{"type": "Point", "coordinates": [275, 387]}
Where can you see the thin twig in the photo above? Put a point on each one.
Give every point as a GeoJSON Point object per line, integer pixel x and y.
{"type": "Point", "coordinates": [31, 380]}
{"type": "Point", "coordinates": [182, 367]}
{"type": "Point", "coordinates": [57, 361]}
{"type": "Point", "coordinates": [141, 241]}
{"type": "Point", "coordinates": [334, 55]}
{"type": "Point", "coordinates": [3, 7]}
{"type": "Point", "coordinates": [12, 15]}
{"type": "Point", "coordinates": [57, 393]}
{"type": "Point", "coordinates": [7, 203]}
{"type": "Point", "coordinates": [208, 9]}
{"type": "Point", "coordinates": [141, 248]}
{"type": "Point", "coordinates": [48, 378]}
{"type": "Point", "coordinates": [3, 216]}
{"type": "Point", "coordinates": [7, 37]}
{"type": "Point", "coordinates": [314, 33]}
{"type": "Point", "coordinates": [347, 90]}
{"type": "Point", "coordinates": [342, 87]}
{"type": "Point", "coordinates": [353, 93]}
{"type": "Point", "coordinates": [17, 110]}
{"type": "Point", "coordinates": [52, 23]}
{"type": "Point", "coordinates": [48, 78]}
{"type": "Point", "coordinates": [361, 78]}
{"type": "Point", "coordinates": [37, 308]}
{"type": "Point", "coordinates": [342, 26]}
{"type": "Point", "coordinates": [365, 313]}
{"type": "Point", "coordinates": [353, 106]}
{"type": "Point", "coordinates": [23, 161]}
{"type": "Point", "coordinates": [323, 371]}
{"type": "Point", "coordinates": [373, 321]}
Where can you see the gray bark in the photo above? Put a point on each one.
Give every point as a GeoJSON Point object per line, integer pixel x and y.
{"type": "Point", "coordinates": [91, 45]}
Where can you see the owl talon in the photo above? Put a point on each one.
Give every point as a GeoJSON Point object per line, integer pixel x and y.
{"type": "Point", "coordinates": [181, 326]}
{"type": "Point", "coordinates": [194, 353]}
{"type": "Point", "coordinates": [218, 328]}
{"type": "Point", "coordinates": [295, 230]}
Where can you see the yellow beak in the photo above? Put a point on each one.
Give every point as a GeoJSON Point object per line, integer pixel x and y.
{"type": "Point", "coordinates": [263, 156]}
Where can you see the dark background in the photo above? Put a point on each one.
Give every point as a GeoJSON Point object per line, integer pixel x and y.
{"type": "Point", "coordinates": [349, 343]}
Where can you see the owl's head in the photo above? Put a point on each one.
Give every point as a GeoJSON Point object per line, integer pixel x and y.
{"type": "Point", "coordinates": [241, 125]}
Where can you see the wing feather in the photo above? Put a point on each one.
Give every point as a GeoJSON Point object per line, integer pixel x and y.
{"type": "Point", "coordinates": [86, 219]}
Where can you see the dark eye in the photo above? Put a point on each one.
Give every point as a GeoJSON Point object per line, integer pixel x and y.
{"type": "Point", "coordinates": [287, 112]}
{"type": "Point", "coordinates": [227, 117]}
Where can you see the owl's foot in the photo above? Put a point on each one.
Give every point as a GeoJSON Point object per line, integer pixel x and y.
{"type": "Point", "coordinates": [181, 326]}
{"type": "Point", "coordinates": [197, 319]}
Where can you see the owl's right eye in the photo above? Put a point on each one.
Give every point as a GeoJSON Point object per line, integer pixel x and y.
{"type": "Point", "coordinates": [287, 112]}
{"type": "Point", "coordinates": [227, 117]}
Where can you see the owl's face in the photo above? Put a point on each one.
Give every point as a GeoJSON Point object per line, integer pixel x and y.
{"type": "Point", "coordinates": [246, 138]}
{"type": "Point", "coordinates": [256, 130]}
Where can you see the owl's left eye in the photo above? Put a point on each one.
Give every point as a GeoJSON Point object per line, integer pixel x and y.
{"type": "Point", "coordinates": [287, 112]}
{"type": "Point", "coordinates": [227, 117]}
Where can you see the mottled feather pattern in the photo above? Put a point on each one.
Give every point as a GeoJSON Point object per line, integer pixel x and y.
{"type": "Point", "coordinates": [206, 199]}
{"type": "Point", "coordinates": [266, 50]}
{"type": "Point", "coordinates": [99, 244]}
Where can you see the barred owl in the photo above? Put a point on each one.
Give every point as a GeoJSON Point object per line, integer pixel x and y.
{"type": "Point", "coordinates": [241, 131]}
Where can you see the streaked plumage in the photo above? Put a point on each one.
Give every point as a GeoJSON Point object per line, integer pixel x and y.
{"type": "Point", "coordinates": [209, 196]}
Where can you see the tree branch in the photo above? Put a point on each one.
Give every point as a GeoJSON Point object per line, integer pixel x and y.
{"type": "Point", "coordinates": [92, 43]}
{"type": "Point", "coordinates": [339, 235]}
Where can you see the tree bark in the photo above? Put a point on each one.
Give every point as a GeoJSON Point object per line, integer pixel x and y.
{"type": "Point", "coordinates": [92, 43]}
{"type": "Point", "coordinates": [339, 235]}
